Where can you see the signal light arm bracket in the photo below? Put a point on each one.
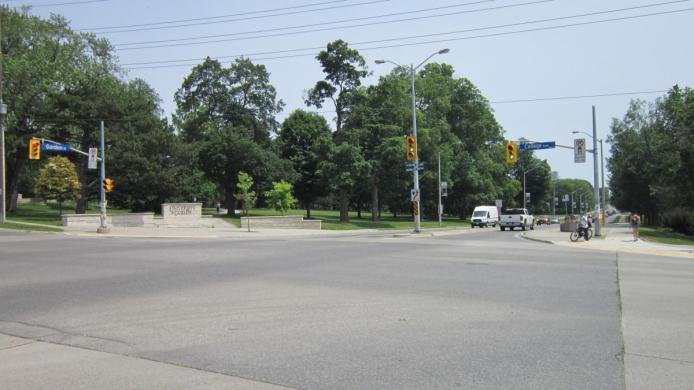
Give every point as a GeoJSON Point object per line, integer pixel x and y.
{"type": "Point", "coordinates": [71, 148]}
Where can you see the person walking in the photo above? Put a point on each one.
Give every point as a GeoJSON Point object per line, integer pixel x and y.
{"type": "Point", "coordinates": [635, 221]}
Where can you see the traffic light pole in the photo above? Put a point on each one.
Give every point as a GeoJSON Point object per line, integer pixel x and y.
{"type": "Point", "coordinates": [596, 183]}
{"type": "Point", "coordinates": [103, 226]}
{"type": "Point", "coordinates": [417, 223]}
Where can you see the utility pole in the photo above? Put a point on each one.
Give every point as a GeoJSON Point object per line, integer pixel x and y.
{"type": "Point", "coordinates": [603, 204]}
{"type": "Point", "coordinates": [3, 111]}
{"type": "Point", "coordinates": [103, 226]}
{"type": "Point", "coordinates": [440, 210]}
{"type": "Point", "coordinates": [596, 183]}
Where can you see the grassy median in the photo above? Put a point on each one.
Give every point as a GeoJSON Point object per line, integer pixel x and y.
{"type": "Point", "coordinates": [664, 236]}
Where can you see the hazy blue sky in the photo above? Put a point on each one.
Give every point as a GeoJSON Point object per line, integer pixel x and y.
{"type": "Point", "coordinates": [590, 58]}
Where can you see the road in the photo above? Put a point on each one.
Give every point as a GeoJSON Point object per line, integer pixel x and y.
{"type": "Point", "coordinates": [481, 309]}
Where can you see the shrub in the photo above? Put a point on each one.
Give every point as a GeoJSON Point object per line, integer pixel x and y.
{"type": "Point", "coordinates": [680, 220]}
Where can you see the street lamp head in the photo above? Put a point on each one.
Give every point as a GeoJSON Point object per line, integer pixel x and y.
{"type": "Point", "coordinates": [444, 51]}
{"type": "Point", "coordinates": [575, 132]}
{"type": "Point", "coordinates": [380, 62]}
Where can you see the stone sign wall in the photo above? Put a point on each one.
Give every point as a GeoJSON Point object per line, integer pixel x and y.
{"type": "Point", "coordinates": [181, 210]}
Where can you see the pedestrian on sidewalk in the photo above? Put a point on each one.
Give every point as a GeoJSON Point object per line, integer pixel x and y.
{"type": "Point", "coordinates": [217, 205]}
{"type": "Point", "coordinates": [635, 221]}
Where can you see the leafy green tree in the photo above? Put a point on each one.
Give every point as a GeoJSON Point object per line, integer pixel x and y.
{"type": "Point", "coordinates": [344, 68]}
{"type": "Point", "coordinates": [345, 167]}
{"type": "Point", "coordinates": [302, 140]}
{"type": "Point", "coordinates": [228, 113]}
{"type": "Point", "coordinates": [280, 196]}
{"type": "Point", "coordinates": [40, 57]}
{"type": "Point", "coordinates": [245, 194]}
{"type": "Point", "coordinates": [57, 180]}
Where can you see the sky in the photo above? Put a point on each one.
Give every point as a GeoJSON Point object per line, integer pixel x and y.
{"type": "Point", "coordinates": [543, 64]}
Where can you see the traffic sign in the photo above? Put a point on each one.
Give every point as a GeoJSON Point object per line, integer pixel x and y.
{"type": "Point", "coordinates": [414, 195]}
{"type": "Point", "coordinates": [56, 148]}
{"type": "Point", "coordinates": [537, 145]}
{"type": "Point", "coordinates": [580, 150]}
{"type": "Point", "coordinates": [92, 158]}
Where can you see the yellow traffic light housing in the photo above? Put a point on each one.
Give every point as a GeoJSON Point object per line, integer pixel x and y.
{"type": "Point", "coordinates": [511, 152]}
{"type": "Point", "coordinates": [108, 185]}
{"type": "Point", "coordinates": [414, 208]}
{"type": "Point", "coordinates": [34, 149]}
{"type": "Point", "coordinates": [411, 144]}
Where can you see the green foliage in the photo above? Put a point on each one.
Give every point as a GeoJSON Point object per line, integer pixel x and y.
{"type": "Point", "coordinates": [680, 220]}
{"type": "Point", "coordinates": [280, 197]}
{"type": "Point", "coordinates": [344, 68]}
{"type": "Point", "coordinates": [651, 163]}
{"type": "Point", "coordinates": [58, 180]}
{"type": "Point", "coordinates": [304, 140]}
{"type": "Point", "coordinates": [245, 195]}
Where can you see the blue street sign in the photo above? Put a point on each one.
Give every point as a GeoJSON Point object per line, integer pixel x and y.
{"type": "Point", "coordinates": [537, 145]}
{"type": "Point", "coordinates": [55, 148]}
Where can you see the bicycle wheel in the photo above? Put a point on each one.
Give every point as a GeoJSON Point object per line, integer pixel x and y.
{"type": "Point", "coordinates": [590, 233]}
{"type": "Point", "coordinates": [574, 236]}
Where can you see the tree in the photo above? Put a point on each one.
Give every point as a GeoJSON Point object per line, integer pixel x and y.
{"type": "Point", "coordinates": [345, 167]}
{"type": "Point", "coordinates": [344, 68]}
{"type": "Point", "coordinates": [57, 180]}
{"type": "Point", "coordinates": [40, 58]}
{"type": "Point", "coordinates": [280, 197]}
{"type": "Point", "coordinates": [302, 140]}
{"type": "Point", "coordinates": [245, 195]}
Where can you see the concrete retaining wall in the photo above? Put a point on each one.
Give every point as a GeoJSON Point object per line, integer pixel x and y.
{"type": "Point", "coordinates": [117, 220]}
{"type": "Point", "coordinates": [281, 222]}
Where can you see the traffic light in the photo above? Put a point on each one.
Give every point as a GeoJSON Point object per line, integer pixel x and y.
{"type": "Point", "coordinates": [34, 149]}
{"type": "Point", "coordinates": [511, 153]}
{"type": "Point", "coordinates": [108, 185]}
{"type": "Point", "coordinates": [411, 148]}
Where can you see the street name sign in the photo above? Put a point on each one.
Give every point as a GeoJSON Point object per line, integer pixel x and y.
{"type": "Point", "coordinates": [537, 145]}
{"type": "Point", "coordinates": [55, 148]}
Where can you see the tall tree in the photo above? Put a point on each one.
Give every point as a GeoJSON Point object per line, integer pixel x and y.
{"type": "Point", "coordinates": [344, 68]}
{"type": "Point", "coordinates": [302, 141]}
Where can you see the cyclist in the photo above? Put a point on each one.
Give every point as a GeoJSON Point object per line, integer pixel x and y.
{"type": "Point", "coordinates": [583, 226]}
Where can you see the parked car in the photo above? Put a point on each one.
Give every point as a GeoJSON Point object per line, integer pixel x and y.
{"type": "Point", "coordinates": [543, 220]}
{"type": "Point", "coordinates": [554, 220]}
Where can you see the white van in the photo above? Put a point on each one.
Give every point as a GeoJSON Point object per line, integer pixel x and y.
{"type": "Point", "coordinates": [484, 216]}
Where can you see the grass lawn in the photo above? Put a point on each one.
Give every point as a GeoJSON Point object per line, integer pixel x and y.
{"type": "Point", "coordinates": [664, 236]}
{"type": "Point", "coordinates": [49, 214]}
{"type": "Point", "coordinates": [331, 220]}
{"type": "Point", "coordinates": [18, 226]}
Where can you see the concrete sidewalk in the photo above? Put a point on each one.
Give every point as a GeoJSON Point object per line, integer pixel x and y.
{"type": "Point", "coordinates": [656, 287]}
{"type": "Point", "coordinates": [615, 238]}
{"type": "Point", "coordinates": [31, 364]}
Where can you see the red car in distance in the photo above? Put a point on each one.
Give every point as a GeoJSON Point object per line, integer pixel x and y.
{"type": "Point", "coordinates": [543, 220]}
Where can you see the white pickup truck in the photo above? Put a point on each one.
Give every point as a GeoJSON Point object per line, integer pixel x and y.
{"type": "Point", "coordinates": [512, 218]}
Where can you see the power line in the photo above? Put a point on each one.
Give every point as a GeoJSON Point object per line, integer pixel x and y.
{"type": "Point", "coordinates": [342, 27]}
{"type": "Point", "coordinates": [244, 18]}
{"type": "Point", "coordinates": [306, 25]}
{"type": "Point", "coordinates": [414, 43]}
{"type": "Point", "coordinates": [58, 4]}
{"type": "Point", "coordinates": [212, 17]}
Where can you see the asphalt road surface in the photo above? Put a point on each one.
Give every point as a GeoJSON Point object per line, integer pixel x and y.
{"type": "Point", "coordinates": [476, 310]}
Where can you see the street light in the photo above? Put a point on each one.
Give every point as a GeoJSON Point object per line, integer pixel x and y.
{"type": "Point", "coordinates": [413, 69]}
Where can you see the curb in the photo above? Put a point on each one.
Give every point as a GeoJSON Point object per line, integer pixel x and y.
{"type": "Point", "coordinates": [524, 235]}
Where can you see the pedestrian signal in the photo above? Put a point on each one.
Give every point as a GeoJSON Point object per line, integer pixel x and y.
{"type": "Point", "coordinates": [511, 152]}
{"type": "Point", "coordinates": [411, 148]}
{"type": "Point", "coordinates": [108, 185]}
{"type": "Point", "coordinates": [34, 149]}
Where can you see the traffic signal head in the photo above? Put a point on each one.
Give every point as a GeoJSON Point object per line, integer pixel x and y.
{"type": "Point", "coordinates": [511, 153]}
{"type": "Point", "coordinates": [411, 144]}
{"type": "Point", "coordinates": [34, 149]}
{"type": "Point", "coordinates": [108, 185]}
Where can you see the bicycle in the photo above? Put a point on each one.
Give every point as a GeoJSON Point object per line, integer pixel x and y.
{"type": "Point", "coordinates": [575, 235]}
